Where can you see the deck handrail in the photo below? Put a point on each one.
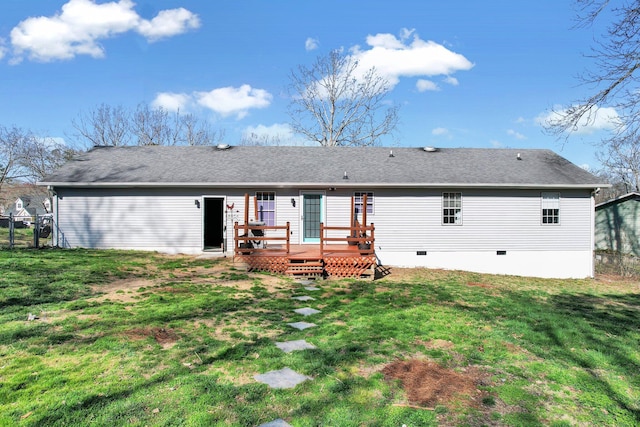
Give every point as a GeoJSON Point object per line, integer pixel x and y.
{"type": "Point", "coordinates": [245, 237]}
{"type": "Point", "coordinates": [359, 235]}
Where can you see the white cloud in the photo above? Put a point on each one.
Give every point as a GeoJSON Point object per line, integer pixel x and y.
{"type": "Point", "coordinates": [81, 24]}
{"type": "Point", "coordinates": [495, 143]}
{"type": "Point", "coordinates": [229, 101]}
{"type": "Point", "coordinates": [171, 101]}
{"type": "Point", "coordinates": [395, 58]}
{"type": "Point", "coordinates": [311, 44]}
{"type": "Point", "coordinates": [452, 81]}
{"type": "Point", "coordinates": [168, 23]}
{"type": "Point", "coordinates": [515, 134]}
{"type": "Point", "coordinates": [440, 131]}
{"type": "Point", "coordinates": [424, 85]}
{"type": "Point", "coordinates": [605, 118]}
{"type": "Point", "coordinates": [3, 48]}
{"type": "Point", "coordinates": [521, 120]}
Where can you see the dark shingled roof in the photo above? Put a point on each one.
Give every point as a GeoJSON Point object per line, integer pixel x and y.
{"type": "Point", "coordinates": [308, 166]}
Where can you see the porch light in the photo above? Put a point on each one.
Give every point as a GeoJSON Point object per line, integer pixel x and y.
{"type": "Point", "coordinates": [293, 202]}
{"type": "Point", "coordinates": [197, 203]}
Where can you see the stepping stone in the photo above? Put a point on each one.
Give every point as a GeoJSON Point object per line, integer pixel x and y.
{"type": "Point", "coordinates": [284, 378]}
{"type": "Point", "coordinates": [301, 325]}
{"type": "Point", "coordinates": [303, 298]}
{"type": "Point", "coordinates": [311, 288]}
{"type": "Point", "coordinates": [305, 282]}
{"type": "Point", "coordinates": [290, 346]}
{"type": "Point", "coordinates": [276, 423]}
{"type": "Point", "coordinates": [307, 311]}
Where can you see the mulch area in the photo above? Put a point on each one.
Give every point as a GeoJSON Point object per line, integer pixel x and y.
{"type": "Point", "coordinates": [428, 384]}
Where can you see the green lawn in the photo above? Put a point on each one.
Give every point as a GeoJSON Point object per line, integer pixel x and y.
{"type": "Point", "coordinates": [23, 238]}
{"type": "Point", "coordinates": [130, 338]}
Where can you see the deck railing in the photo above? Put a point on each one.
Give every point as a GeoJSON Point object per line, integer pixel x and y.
{"type": "Point", "coordinates": [360, 236]}
{"type": "Point", "coordinates": [243, 242]}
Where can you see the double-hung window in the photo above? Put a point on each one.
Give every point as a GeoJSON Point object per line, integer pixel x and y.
{"type": "Point", "coordinates": [359, 200]}
{"type": "Point", "coordinates": [266, 207]}
{"type": "Point", "coordinates": [452, 208]}
{"type": "Point", "coordinates": [551, 208]}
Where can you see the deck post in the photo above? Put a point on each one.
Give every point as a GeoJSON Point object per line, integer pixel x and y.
{"type": "Point", "coordinates": [288, 238]}
{"type": "Point", "coordinates": [364, 209]}
{"type": "Point", "coordinates": [255, 208]}
{"type": "Point", "coordinates": [322, 239]}
{"type": "Point", "coordinates": [246, 214]}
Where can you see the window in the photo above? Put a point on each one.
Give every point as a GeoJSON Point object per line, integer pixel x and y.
{"type": "Point", "coordinates": [266, 207]}
{"type": "Point", "coordinates": [19, 205]}
{"type": "Point", "coordinates": [358, 199]}
{"type": "Point", "coordinates": [452, 208]}
{"type": "Point", "coordinates": [550, 208]}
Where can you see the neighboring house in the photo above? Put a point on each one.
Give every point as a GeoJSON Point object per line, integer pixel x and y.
{"type": "Point", "coordinates": [618, 224]}
{"type": "Point", "coordinates": [503, 211]}
{"type": "Point", "coordinates": [25, 208]}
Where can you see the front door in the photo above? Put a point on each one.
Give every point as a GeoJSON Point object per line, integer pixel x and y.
{"type": "Point", "coordinates": [312, 216]}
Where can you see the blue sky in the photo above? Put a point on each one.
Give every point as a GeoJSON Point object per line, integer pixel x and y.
{"type": "Point", "coordinates": [465, 73]}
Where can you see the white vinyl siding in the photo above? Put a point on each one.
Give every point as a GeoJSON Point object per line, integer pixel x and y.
{"type": "Point", "coordinates": [493, 220]}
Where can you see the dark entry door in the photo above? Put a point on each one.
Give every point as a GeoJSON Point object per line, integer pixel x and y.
{"type": "Point", "coordinates": [213, 223]}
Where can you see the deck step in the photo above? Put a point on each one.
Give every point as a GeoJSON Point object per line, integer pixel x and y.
{"type": "Point", "coordinates": [304, 272]}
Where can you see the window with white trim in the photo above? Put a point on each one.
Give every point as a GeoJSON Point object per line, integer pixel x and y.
{"type": "Point", "coordinates": [358, 198]}
{"type": "Point", "coordinates": [266, 206]}
{"type": "Point", "coordinates": [551, 208]}
{"type": "Point", "coordinates": [452, 208]}
{"type": "Point", "coordinates": [19, 205]}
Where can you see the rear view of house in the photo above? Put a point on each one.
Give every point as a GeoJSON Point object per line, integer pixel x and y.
{"type": "Point", "coordinates": [522, 212]}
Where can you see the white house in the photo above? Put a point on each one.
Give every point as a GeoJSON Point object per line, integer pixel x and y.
{"type": "Point", "coordinates": [502, 211]}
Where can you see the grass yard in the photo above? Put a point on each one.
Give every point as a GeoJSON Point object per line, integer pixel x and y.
{"type": "Point", "coordinates": [129, 338]}
{"type": "Point", "coordinates": [23, 238]}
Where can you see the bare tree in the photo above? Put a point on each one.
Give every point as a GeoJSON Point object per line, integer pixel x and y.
{"type": "Point", "coordinates": [12, 143]}
{"type": "Point", "coordinates": [255, 139]}
{"type": "Point", "coordinates": [115, 126]}
{"type": "Point", "coordinates": [334, 105]}
{"type": "Point", "coordinates": [621, 160]}
{"type": "Point", "coordinates": [104, 126]}
{"type": "Point", "coordinates": [41, 156]}
{"type": "Point", "coordinates": [196, 132]}
{"type": "Point", "coordinates": [614, 78]}
{"type": "Point", "coordinates": [153, 126]}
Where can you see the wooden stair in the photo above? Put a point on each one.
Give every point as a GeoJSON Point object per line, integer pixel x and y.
{"type": "Point", "coordinates": [305, 267]}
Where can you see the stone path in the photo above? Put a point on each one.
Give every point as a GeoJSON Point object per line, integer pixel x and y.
{"type": "Point", "coordinates": [286, 377]}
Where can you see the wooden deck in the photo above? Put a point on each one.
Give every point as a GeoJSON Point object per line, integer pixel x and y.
{"type": "Point", "coordinates": [337, 260]}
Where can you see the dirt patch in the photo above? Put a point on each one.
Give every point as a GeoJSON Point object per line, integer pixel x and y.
{"type": "Point", "coordinates": [480, 285]}
{"type": "Point", "coordinates": [437, 344]}
{"type": "Point", "coordinates": [166, 337]}
{"type": "Point", "coordinates": [428, 384]}
{"type": "Point", "coordinates": [125, 290]}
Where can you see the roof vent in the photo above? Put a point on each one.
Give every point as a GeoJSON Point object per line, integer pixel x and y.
{"type": "Point", "coordinates": [223, 146]}
{"type": "Point", "coordinates": [519, 157]}
{"type": "Point", "coordinates": [430, 149]}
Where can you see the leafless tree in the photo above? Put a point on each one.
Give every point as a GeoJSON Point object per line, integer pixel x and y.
{"type": "Point", "coordinates": [197, 132]}
{"type": "Point", "coordinates": [104, 126]}
{"type": "Point", "coordinates": [154, 126]}
{"type": "Point", "coordinates": [614, 77]}
{"type": "Point", "coordinates": [116, 126]}
{"type": "Point", "coordinates": [41, 156]}
{"type": "Point", "coordinates": [12, 142]}
{"type": "Point", "coordinates": [333, 104]}
{"type": "Point", "coordinates": [621, 160]}
{"type": "Point", "coordinates": [255, 139]}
